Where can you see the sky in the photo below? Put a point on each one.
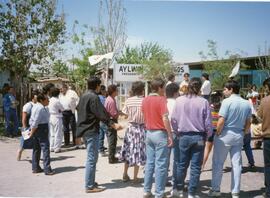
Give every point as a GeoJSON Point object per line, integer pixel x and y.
{"type": "Point", "coordinates": [185, 26]}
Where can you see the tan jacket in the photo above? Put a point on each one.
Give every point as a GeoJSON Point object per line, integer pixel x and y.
{"type": "Point", "coordinates": [264, 113]}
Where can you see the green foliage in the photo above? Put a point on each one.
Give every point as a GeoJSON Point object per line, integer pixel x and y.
{"type": "Point", "coordinates": [29, 33]}
{"type": "Point", "coordinates": [60, 69]}
{"type": "Point", "coordinates": [156, 61]}
{"type": "Point", "coordinates": [83, 68]}
{"type": "Point", "coordinates": [219, 68]}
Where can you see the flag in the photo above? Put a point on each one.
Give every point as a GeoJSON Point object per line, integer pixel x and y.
{"type": "Point", "coordinates": [235, 70]}
{"type": "Point", "coordinates": [95, 59]}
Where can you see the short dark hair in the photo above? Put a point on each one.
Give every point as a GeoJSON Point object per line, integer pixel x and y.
{"type": "Point", "coordinates": [215, 98]}
{"type": "Point", "coordinates": [171, 77]}
{"type": "Point", "coordinates": [48, 87]}
{"type": "Point", "coordinates": [137, 88]}
{"type": "Point", "coordinates": [33, 94]}
{"type": "Point", "coordinates": [41, 97]}
{"type": "Point", "coordinates": [206, 76]}
{"type": "Point", "coordinates": [232, 84]}
{"type": "Point", "coordinates": [266, 82]}
{"type": "Point", "coordinates": [55, 92]}
{"type": "Point", "coordinates": [93, 82]}
{"type": "Point", "coordinates": [157, 83]}
{"type": "Point", "coordinates": [186, 74]}
{"type": "Point", "coordinates": [102, 88]}
{"type": "Point", "coordinates": [111, 89]}
{"type": "Point", "coordinates": [194, 86]}
{"type": "Point", "coordinates": [171, 89]}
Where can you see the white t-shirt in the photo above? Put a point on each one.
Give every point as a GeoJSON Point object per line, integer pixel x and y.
{"type": "Point", "coordinates": [206, 88]}
{"type": "Point", "coordinates": [69, 100]}
{"type": "Point", "coordinates": [28, 107]}
{"type": "Point", "coordinates": [170, 106]}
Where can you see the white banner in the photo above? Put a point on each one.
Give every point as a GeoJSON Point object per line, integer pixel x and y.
{"type": "Point", "coordinates": [127, 72]}
{"type": "Point", "coordinates": [95, 59]}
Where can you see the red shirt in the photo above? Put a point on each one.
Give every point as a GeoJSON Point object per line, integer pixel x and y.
{"type": "Point", "coordinates": [153, 108]}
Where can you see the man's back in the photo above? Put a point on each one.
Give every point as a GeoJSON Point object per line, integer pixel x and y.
{"type": "Point", "coordinates": [264, 113]}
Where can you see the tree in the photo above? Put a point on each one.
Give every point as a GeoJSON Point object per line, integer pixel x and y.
{"type": "Point", "coordinates": [83, 69]}
{"type": "Point", "coordinates": [109, 35]}
{"type": "Point", "coordinates": [156, 61]}
{"type": "Point", "coordinates": [219, 68]}
{"type": "Point", "coordinates": [60, 69]}
{"type": "Point", "coordinates": [29, 32]}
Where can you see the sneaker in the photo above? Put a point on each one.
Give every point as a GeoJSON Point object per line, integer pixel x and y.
{"type": "Point", "coordinates": [147, 195]}
{"type": "Point", "coordinates": [212, 193]}
{"type": "Point", "coordinates": [193, 196]}
{"type": "Point", "coordinates": [235, 195]}
{"type": "Point", "coordinates": [50, 173]}
{"type": "Point", "coordinates": [40, 170]}
{"type": "Point", "coordinates": [252, 168]}
{"type": "Point", "coordinates": [57, 150]}
{"type": "Point", "coordinates": [102, 154]}
{"type": "Point", "coordinates": [177, 193]}
{"type": "Point", "coordinates": [95, 190]}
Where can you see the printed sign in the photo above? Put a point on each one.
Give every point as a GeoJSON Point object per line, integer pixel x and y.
{"type": "Point", "coordinates": [128, 72]}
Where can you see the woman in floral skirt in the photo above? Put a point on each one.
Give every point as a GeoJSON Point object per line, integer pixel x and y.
{"type": "Point", "coordinates": [133, 148]}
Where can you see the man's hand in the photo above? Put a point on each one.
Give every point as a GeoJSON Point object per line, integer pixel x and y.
{"type": "Point", "coordinates": [170, 140]}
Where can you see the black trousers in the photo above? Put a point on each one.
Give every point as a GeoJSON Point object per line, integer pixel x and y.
{"type": "Point", "coordinates": [112, 142]}
{"type": "Point", "coordinates": [41, 142]}
{"type": "Point", "coordinates": [69, 119]}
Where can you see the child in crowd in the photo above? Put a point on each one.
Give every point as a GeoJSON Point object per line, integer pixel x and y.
{"type": "Point", "coordinates": [215, 99]}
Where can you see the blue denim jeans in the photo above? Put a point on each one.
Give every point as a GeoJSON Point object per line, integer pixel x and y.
{"type": "Point", "coordinates": [220, 154]}
{"type": "Point", "coordinates": [266, 156]}
{"type": "Point", "coordinates": [11, 122]}
{"type": "Point", "coordinates": [248, 150]}
{"type": "Point", "coordinates": [191, 150]}
{"type": "Point", "coordinates": [176, 158]}
{"type": "Point", "coordinates": [103, 130]}
{"type": "Point", "coordinates": [156, 161]}
{"type": "Point", "coordinates": [91, 142]}
{"type": "Point", "coordinates": [41, 142]}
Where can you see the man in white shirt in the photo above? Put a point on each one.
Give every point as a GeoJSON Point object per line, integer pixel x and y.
{"type": "Point", "coordinates": [206, 86]}
{"type": "Point", "coordinates": [69, 99]}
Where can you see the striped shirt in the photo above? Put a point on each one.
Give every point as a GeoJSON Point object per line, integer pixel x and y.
{"type": "Point", "coordinates": [132, 108]}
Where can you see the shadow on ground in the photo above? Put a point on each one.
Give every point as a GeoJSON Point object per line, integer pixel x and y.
{"type": "Point", "coordinates": [118, 183]}
{"type": "Point", "coordinates": [67, 169]}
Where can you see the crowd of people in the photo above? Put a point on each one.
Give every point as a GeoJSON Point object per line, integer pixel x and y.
{"type": "Point", "coordinates": [186, 121]}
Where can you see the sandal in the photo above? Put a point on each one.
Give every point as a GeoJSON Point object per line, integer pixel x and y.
{"type": "Point", "coordinates": [126, 178]}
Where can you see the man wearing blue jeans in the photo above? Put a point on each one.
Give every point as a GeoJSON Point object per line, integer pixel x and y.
{"type": "Point", "coordinates": [264, 113]}
{"type": "Point", "coordinates": [233, 123]}
{"type": "Point", "coordinates": [192, 123]}
{"type": "Point", "coordinates": [90, 113]}
{"type": "Point", "coordinates": [158, 138]}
